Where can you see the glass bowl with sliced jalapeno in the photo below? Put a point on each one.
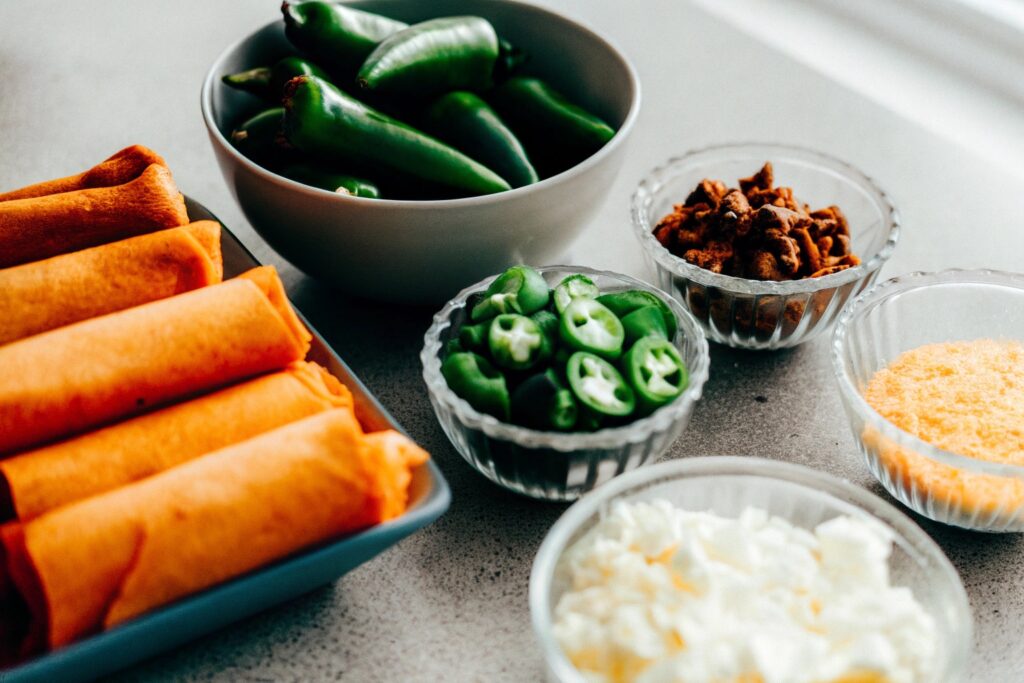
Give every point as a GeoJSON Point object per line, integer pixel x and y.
{"type": "Point", "coordinates": [398, 149]}
{"type": "Point", "coordinates": [550, 381]}
{"type": "Point", "coordinates": [784, 309]}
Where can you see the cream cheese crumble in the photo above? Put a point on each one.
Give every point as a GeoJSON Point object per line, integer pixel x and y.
{"type": "Point", "coordinates": [660, 594]}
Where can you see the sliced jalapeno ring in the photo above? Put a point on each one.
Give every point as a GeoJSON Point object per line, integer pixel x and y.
{"type": "Point", "coordinates": [625, 302]}
{"type": "Point", "coordinates": [543, 402]}
{"type": "Point", "coordinates": [516, 342]}
{"type": "Point", "coordinates": [474, 379]}
{"type": "Point", "coordinates": [474, 337]}
{"type": "Point", "coordinates": [520, 289]}
{"type": "Point", "coordinates": [548, 323]}
{"type": "Point", "coordinates": [599, 386]}
{"type": "Point", "coordinates": [577, 286]}
{"type": "Point", "coordinates": [656, 372]}
{"type": "Point", "coordinates": [644, 322]}
{"type": "Point", "coordinates": [589, 326]}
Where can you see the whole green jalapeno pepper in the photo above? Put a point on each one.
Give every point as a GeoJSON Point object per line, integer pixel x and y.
{"type": "Point", "coordinates": [322, 120]}
{"type": "Point", "coordinates": [561, 133]}
{"type": "Point", "coordinates": [516, 342]}
{"type": "Point", "coordinates": [332, 181]}
{"type": "Point", "coordinates": [644, 322]}
{"type": "Point", "coordinates": [598, 386]}
{"type": "Point", "coordinates": [520, 289]}
{"type": "Point", "coordinates": [589, 326]}
{"type": "Point", "coordinates": [468, 124]}
{"type": "Point", "coordinates": [656, 372]}
{"type": "Point", "coordinates": [625, 302]}
{"type": "Point", "coordinates": [268, 81]}
{"type": "Point", "coordinates": [573, 287]}
{"type": "Point", "coordinates": [541, 401]}
{"type": "Point", "coordinates": [338, 37]}
{"type": "Point", "coordinates": [474, 379]}
{"type": "Point", "coordinates": [432, 57]}
{"type": "Point", "coordinates": [261, 137]}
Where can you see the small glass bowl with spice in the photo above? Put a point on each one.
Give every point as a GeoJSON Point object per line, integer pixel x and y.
{"type": "Point", "coordinates": [580, 376]}
{"type": "Point", "coordinates": [763, 243]}
{"type": "Point", "coordinates": [931, 373]}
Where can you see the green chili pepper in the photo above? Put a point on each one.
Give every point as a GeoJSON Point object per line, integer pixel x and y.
{"type": "Point", "coordinates": [325, 179]}
{"type": "Point", "coordinates": [548, 123]}
{"type": "Point", "coordinates": [474, 337]}
{"type": "Point", "coordinates": [320, 119]}
{"type": "Point", "coordinates": [576, 286]}
{"type": "Point", "coordinates": [543, 402]}
{"type": "Point", "coordinates": [261, 139]}
{"type": "Point", "coordinates": [644, 322]}
{"type": "Point", "coordinates": [470, 125]}
{"type": "Point", "coordinates": [516, 342]}
{"type": "Point", "coordinates": [510, 61]}
{"type": "Point", "coordinates": [589, 326]}
{"type": "Point", "coordinates": [656, 372]}
{"type": "Point", "coordinates": [268, 81]}
{"type": "Point", "coordinates": [337, 36]}
{"type": "Point", "coordinates": [625, 302]}
{"type": "Point", "coordinates": [598, 385]}
{"type": "Point", "coordinates": [548, 323]}
{"type": "Point", "coordinates": [435, 56]}
{"type": "Point", "coordinates": [474, 379]}
{"type": "Point", "coordinates": [520, 289]}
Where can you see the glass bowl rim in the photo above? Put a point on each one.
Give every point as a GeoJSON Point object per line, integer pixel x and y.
{"type": "Point", "coordinates": [907, 533]}
{"type": "Point", "coordinates": [676, 265]}
{"type": "Point", "coordinates": [881, 293]}
{"type": "Point", "coordinates": [609, 437]}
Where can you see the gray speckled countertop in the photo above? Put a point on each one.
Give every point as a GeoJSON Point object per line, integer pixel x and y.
{"type": "Point", "coordinates": [82, 80]}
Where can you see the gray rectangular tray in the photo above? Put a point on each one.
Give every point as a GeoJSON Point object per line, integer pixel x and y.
{"type": "Point", "coordinates": [212, 609]}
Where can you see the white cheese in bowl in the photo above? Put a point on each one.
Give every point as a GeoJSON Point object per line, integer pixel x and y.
{"type": "Point", "coordinates": [657, 594]}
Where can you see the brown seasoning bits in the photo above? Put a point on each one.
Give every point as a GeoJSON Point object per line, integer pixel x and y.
{"type": "Point", "coordinates": [758, 231]}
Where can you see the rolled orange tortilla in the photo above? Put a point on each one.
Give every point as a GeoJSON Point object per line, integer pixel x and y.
{"type": "Point", "coordinates": [115, 170]}
{"type": "Point", "coordinates": [44, 295]}
{"type": "Point", "coordinates": [40, 227]}
{"type": "Point", "coordinates": [108, 368]}
{"type": "Point", "coordinates": [41, 480]}
{"type": "Point", "coordinates": [99, 562]}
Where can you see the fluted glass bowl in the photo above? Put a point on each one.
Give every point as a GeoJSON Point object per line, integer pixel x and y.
{"type": "Point", "coordinates": [802, 496]}
{"type": "Point", "coordinates": [902, 314]}
{"type": "Point", "coordinates": [559, 466]}
{"type": "Point", "coordinates": [758, 314]}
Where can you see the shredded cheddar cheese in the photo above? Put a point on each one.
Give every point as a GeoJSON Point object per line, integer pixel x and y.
{"type": "Point", "coordinates": [963, 397]}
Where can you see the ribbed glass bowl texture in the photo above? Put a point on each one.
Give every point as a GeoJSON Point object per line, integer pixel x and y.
{"type": "Point", "coordinates": [728, 485]}
{"type": "Point", "coordinates": [559, 466]}
{"type": "Point", "coordinates": [757, 314]}
{"type": "Point", "coordinates": [902, 314]}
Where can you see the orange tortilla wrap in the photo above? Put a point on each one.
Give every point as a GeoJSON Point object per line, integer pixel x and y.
{"type": "Point", "coordinates": [44, 295]}
{"type": "Point", "coordinates": [40, 227]}
{"type": "Point", "coordinates": [96, 371]}
{"type": "Point", "coordinates": [46, 478]}
{"type": "Point", "coordinates": [116, 170]}
{"type": "Point", "coordinates": [99, 562]}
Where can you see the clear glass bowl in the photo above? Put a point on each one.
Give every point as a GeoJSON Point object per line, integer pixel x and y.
{"type": "Point", "coordinates": [559, 466]}
{"type": "Point", "coordinates": [904, 313]}
{"type": "Point", "coordinates": [757, 314]}
{"type": "Point", "coordinates": [804, 497]}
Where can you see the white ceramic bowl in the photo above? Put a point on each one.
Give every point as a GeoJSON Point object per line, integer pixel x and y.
{"type": "Point", "coordinates": [802, 496]}
{"type": "Point", "coordinates": [902, 314]}
{"type": "Point", "coordinates": [760, 314]}
{"type": "Point", "coordinates": [426, 251]}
